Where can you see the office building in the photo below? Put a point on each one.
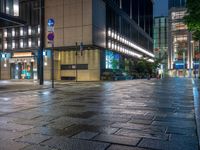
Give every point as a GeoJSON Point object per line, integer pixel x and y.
{"type": "Point", "coordinates": [89, 36]}
{"type": "Point", "coordinates": [183, 52]}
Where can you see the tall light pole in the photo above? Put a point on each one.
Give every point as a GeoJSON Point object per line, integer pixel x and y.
{"type": "Point", "coordinates": [194, 66]}
{"type": "Point", "coordinates": [76, 61]}
{"type": "Point", "coordinates": [41, 49]}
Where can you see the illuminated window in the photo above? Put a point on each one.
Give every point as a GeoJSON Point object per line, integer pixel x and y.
{"type": "Point", "coordinates": [112, 60]}
{"type": "Point", "coordinates": [16, 7]}
{"type": "Point", "coordinates": [29, 42]}
{"type": "Point", "coordinates": [38, 41]}
{"type": "Point", "coordinates": [29, 30]}
{"type": "Point", "coordinates": [5, 33]}
{"type": "Point", "coordinates": [21, 43]}
{"type": "Point", "coordinates": [38, 29]}
{"type": "Point", "coordinates": [13, 44]}
{"type": "Point", "coordinates": [13, 32]}
{"type": "Point", "coordinates": [21, 31]}
{"type": "Point", "coordinates": [5, 45]}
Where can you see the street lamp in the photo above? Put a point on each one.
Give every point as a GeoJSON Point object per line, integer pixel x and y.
{"type": "Point", "coordinates": [192, 42]}
{"type": "Point", "coordinates": [40, 51]}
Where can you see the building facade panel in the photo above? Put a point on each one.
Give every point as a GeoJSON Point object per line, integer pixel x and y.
{"type": "Point", "coordinates": [99, 23]}
{"type": "Point", "coordinates": [161, 43]}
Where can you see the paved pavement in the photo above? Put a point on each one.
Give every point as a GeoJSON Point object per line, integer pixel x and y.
{"type": "Point", "coordinates": [124, 115]}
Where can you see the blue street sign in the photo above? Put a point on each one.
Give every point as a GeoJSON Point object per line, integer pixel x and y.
{"type": "Point", "coordinates": [51, 22]}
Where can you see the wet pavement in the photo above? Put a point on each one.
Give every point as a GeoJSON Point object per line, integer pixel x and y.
{"type": "Point", "coordinates": [124, 115]}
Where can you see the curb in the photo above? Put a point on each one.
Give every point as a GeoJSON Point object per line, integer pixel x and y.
{"type": "Point", "coordinates": [197, 108]}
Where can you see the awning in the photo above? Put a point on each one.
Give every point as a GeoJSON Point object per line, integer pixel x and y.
{"type": "Point", "coordinates": [8, 20]}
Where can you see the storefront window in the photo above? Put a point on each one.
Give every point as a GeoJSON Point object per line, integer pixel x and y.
{"type": "Point", "coordinates": [112, 60]}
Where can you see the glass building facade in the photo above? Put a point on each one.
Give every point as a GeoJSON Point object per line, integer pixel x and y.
{"type": "Point", "coordinates": [176, 3]}
{"type": "Point", "coordinates": [20, 42]}
{"type": "Point", "coordinates": [183, 54]}
{"type": "Point", "coordinates": [10, 7]}
{"type": "Point", "coordinates": [160, 35]}
{"type": "Point", "coordinates": [123, 28]}
{"type": "Point", "coordinates": [141, 11]}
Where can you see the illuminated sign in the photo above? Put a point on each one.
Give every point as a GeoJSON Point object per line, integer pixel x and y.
{"type": "Point", "coordinates": [23, 54]}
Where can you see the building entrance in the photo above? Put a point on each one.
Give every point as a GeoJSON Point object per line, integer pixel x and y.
{"type": "Point", "coordinates": [22, 70]}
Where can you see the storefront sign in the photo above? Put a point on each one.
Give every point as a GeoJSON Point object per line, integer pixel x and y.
{"type": "Point", "coordinates": [22, 54]}
{"type": "Point", "coordinates": [20, 60]}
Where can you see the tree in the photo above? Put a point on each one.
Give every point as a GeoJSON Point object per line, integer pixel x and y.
{"type": "Point", "coordinates": [192, 18]}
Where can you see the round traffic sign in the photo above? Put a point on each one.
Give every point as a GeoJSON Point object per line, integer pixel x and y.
{"type": "Point", "coordinates": [50, 36]}
{"type": "Point", "coordinates": [51, 22]}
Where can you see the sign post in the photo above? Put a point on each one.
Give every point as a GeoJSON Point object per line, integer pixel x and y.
{"type": "Point", "coordinates": [50, 38]}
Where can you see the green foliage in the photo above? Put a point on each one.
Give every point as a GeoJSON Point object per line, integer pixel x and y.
{"type": "Point", "coordinates": [145, 67]}
{"type": "Point", "coordinates": [192, 19]}
{"type": "Point", "coordinates": [141, 66]}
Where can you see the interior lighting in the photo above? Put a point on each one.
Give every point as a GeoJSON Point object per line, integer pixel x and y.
{"type": "Point", "coordinates": [112, 45]}
{"type": "Point", "coordinates": [38, 41]}
{"type": "Point", "coordinates": [29, 42]}
{"type": "Point", "coordinates": [13, 44]}
{"type": "Point", "coordinates": [21, 31]}
{"type": "Point", "coordinates": [21, 43]}
{"type": "Point", "coordinates": [115, 47]}
{"type": "Point", "coordinates": [5, 45]}
{"type": "Point", "coordinates": [112, 35]}
{"type": "Point", "coordinates": [109, 44]}
{"type": "Point", "coordinates": [16, 9]}
{"type": "Point", "coordinates": [13, 32]}
{"type": "Point", "coordinates": [29, 30]}
{"type": "Point", "coordinates": [115, 36]}
{"type": "Point", "coordinates": [5, 33]}
{"type": "Point", "coordinates": [7, 10]}
{"type": "Point", "coordinates": [44, 53]}
{"type": "Point", "coordinates": [38, 29]}
{"type": "Point", "coordinates": [3, 55]}
{"type": "Point", "coordinates": [120, 39]}
{"type": "Point", "coordinates": [150, 60]}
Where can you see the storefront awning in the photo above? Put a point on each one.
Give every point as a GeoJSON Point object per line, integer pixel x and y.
{"type": "Point", "coordinates": [8, 20]}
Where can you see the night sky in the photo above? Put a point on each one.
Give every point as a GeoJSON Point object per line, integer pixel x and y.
{"type": "Point", "coordinates": [160, 7]}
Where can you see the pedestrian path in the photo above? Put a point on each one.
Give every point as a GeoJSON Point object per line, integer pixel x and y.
{"type": "Point", "coordinates": [125, 115]}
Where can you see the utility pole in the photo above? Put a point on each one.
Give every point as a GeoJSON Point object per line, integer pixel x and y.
{"type": "Point", "coordinates": [184, 63]}
{"type": "Point", "coordinates": [52, 65]}
{"type": "Point", "coordinates": [76, 61]}
{"type": "Point", "coordinates": [41, 49]}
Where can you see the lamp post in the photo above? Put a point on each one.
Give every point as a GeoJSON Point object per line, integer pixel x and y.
{"type": "Point", "coordinates": [41, 49]}
{"type": "Point", "coordinates": [76, 61]}
{"type": "Point", "coordinates": [194, 66]}
{"type": "Point", "coordinates": [184, 63]}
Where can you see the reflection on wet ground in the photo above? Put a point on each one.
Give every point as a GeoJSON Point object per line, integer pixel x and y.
{"type": "Point", "coordinates": [124, 115]}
